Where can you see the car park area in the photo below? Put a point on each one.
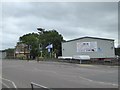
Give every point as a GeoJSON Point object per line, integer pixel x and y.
{"type": "Point", "coordinates": [58, 74]}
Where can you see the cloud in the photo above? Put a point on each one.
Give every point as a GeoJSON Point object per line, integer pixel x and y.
{"type": "Point", "coordinates": [72, 20]}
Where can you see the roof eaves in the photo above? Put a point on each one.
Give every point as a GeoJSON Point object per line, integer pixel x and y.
{"type": "Point", "coordinates": [88, 37]}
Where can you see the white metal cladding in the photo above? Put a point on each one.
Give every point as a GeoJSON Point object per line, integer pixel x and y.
{"type": "Point", "coordinates": [87, 47]}
{"type": "Point", "coordinates": [104, 48]}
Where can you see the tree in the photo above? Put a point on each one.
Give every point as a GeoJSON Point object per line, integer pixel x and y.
{"type": "Point", "coordinates": [51, 37]}
{"type": "Point", "coordinates": [9, 53]}
{"type": "Point", "coordinates": [31, 40]}
{"type": "Point", "coordinates": [41, 40]}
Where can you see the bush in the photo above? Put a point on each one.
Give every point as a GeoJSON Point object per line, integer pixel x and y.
{"type": "Point", "coordinates": [21, 56]}
{"type": "Point", "coordinates": [39, 58]}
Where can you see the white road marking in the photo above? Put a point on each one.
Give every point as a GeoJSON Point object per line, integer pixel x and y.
{"type": "Point", "coordinates": [90, 80]}
{"type": "Point", "coordinates": [99, 81]}
{"type": "Point", "coordinates": [4, 84]}
{"type": "Point", "coordinates": [38, 85]}
{"type": "Point", "coordinates": [9, 81]}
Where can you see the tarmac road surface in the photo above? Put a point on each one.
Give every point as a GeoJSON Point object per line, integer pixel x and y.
{"type": "Point", "coordinates": [59, 75]}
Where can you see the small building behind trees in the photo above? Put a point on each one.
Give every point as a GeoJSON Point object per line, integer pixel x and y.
{"type": "Point", "coordinates": [22, 51]}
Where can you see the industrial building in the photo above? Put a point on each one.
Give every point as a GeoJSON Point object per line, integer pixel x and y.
{"type": "Point", "coordinates": [96, 48]}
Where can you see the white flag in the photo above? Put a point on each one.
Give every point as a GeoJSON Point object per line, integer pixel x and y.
{"type": "Point", "coordinates": [49, 46]}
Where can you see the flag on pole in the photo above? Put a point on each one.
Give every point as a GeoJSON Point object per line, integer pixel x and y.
{"type": "Point", "coordinates": [49, 46]}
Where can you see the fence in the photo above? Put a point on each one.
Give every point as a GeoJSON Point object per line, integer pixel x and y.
{"type": "Point", "coordinates": [36, 86]}
{"type": "Point", "coordinates": [112, 61]}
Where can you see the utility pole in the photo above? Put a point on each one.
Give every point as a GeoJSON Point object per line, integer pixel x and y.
{"type": "Point", "coordinates": [40, 45]}
{"type": "Point", "coordinates": [40, 48]}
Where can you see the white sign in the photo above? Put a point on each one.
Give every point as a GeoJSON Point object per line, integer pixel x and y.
{"type": "Point", "coordinates": [87, 47]}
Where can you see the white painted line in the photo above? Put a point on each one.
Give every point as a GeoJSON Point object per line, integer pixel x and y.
{"type": "Point", "coordinates": [4, 84]}
{"type": "Point", "coordinates": [99, 81]}
{"type": "Point", "coordinates": [107, 83]}
{"type": "Point", "coordinates": [10, 81]}
{"type": "Point", "coordinates": [38, 85]}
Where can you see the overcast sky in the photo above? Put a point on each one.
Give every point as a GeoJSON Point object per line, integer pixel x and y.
{"type": "Point", "coordinates": [72, 20]}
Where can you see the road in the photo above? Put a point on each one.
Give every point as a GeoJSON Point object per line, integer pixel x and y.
{"type": "Point", "coordinates": [58, 75]}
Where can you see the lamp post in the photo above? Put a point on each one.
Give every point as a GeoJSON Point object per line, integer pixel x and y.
{"type": "Point", "coordinates": [40, 45]}
{"type": "Point", "coordinates": [40, 48]}
{"type": "Point", "coordinates": [41, 30]}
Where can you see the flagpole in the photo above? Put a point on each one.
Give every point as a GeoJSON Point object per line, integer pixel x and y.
{"type": "Point", "coordinates": [51, 53]}
{"type": "Point", "coordinates": [50, 48]}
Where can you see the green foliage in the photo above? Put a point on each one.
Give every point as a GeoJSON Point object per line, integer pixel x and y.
{"type": "Point", "coordinates": [10, 50]}
{"type": "Point", "coordinates": [21, 56]}
{"type": "Point", "coordinates": [52, 37]}
{"type": "Point", "coordinates": [31, 40]}
{"type": "Point", "coordinates": [44, 38]}
{"type": "Point", "coordinates": [9, 53]}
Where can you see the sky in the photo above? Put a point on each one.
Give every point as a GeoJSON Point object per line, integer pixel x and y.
{"type": "Point", "coordinates": [71, 19]}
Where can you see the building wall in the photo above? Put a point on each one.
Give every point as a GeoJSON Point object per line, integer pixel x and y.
{"type": "Point", "coordinates": [105, 48]}
{"type": "Point", "coordinates": [2, 54]}
{"type": "Point", "coordinates": [22, 50]}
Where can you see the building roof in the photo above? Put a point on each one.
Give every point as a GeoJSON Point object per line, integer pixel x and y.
{"type": "Point", "coordinates": [91, 38]}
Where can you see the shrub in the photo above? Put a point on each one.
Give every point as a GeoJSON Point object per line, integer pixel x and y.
{"type": "Point", "coordinates": [21, 56]}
